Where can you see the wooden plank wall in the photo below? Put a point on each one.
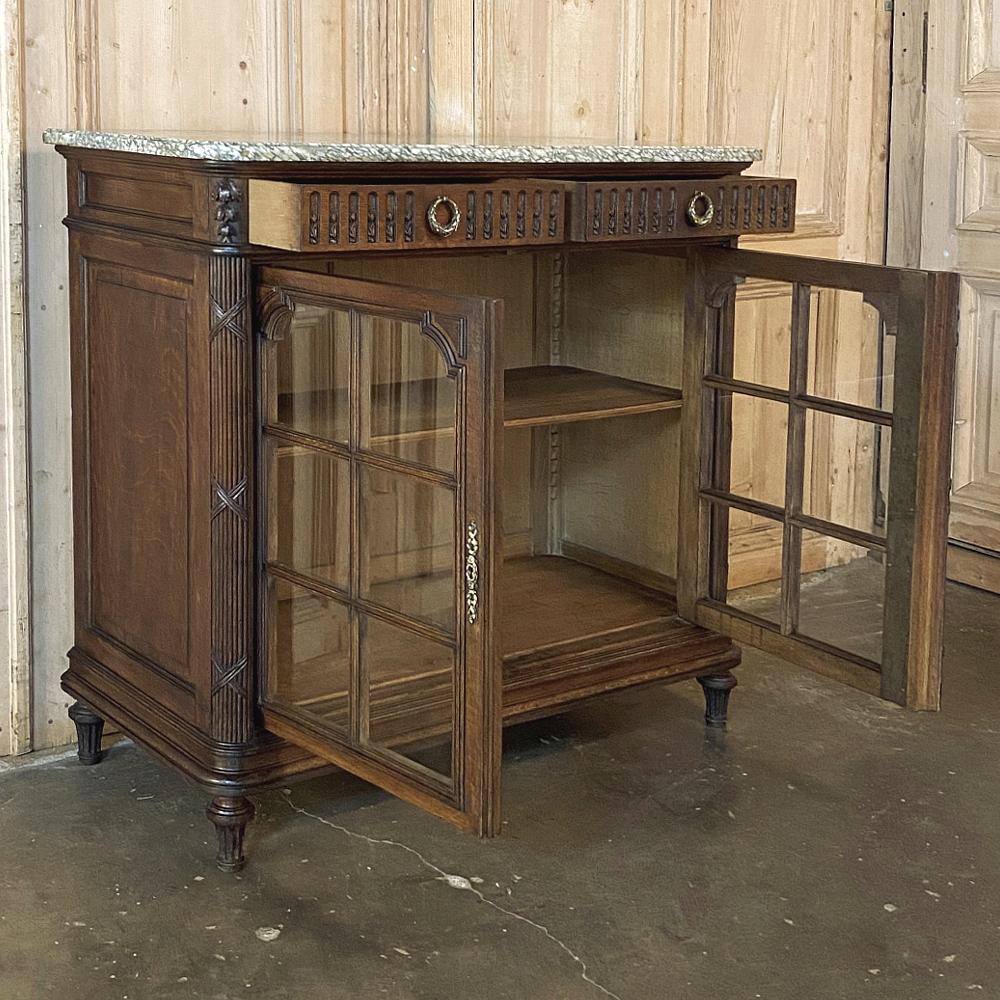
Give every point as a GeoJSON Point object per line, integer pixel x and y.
{"type": "Point", "coordinates": [15, 693]}
{"type": "Point", "coordinates": [803, 80]}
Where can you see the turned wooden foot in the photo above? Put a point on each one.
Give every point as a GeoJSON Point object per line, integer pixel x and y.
{"type": "Point", "coordinates": [229, 815]}
{"type": "Point", "coordinates": [717, 688]}
{"type": "Point", "coordinates": [89, 730]}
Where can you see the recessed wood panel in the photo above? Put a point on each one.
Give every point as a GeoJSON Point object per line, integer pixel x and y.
{"type": "Point", "coordinates": [977, 437]}
{"type": "Point", "coordinates": [137, 327]}
{"type": "Point", "coordinates": [184, 65]}
{"type": "Point", "coordinates": [981, 69]}
{"type": "Point", "coordinates": [777, 76]}
{"type": "Point", "coordinates": [584, 87]}
{"type": "Point", "coordinates": [978, 182]}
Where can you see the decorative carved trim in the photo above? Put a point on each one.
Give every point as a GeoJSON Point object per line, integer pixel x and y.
{"type": "Point", "coordinates": [231, 380]}
{"type": "Point", "coordinates": [887, 306]}
{"type": "Point", "coordinates": [719, 286]}
{"type": "Point", "coordinates": [275, 310]}
{"type": "Point", "coordinates": [617, 212]}
{"type": "Point", "coordinates": [390, 217]}
{"type": "Point", "coordinates": [352, 217]}
{"type": "Point", "coordinates": [472, 573]}
{"type": "Point", "coordinates": [314, 217]}
{"type": "Point", "coordinates": [372, 228]}
{"type": "Point", "coordinates": [227, 197]}
{"type": "Point", "coordinates": [452, 353]}
{"type": "Point", "coordinates": [408, 217]}
{"type": "Point", "coordinates": [333, 225]}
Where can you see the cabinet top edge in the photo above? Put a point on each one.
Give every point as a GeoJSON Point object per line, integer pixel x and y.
{"type": "Point", "coordinates": [305, 148]}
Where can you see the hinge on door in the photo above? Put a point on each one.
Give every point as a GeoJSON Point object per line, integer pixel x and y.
{"type": "Point", "coordinates": [889, 5]}
{"type": "Point", "coordinates": [923, 54]}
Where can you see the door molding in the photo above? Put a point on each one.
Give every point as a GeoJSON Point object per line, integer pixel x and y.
{"type": "Point", "coordinates": [15, 621]}
{"type": "Point", "coordinates": [944, 160]}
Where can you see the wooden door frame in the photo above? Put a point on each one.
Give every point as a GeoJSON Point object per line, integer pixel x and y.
{"type": "Point", "coordinates": [15, 553]}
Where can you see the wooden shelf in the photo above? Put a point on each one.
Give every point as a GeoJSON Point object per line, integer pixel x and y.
{"type": "Point", "coordinates": [536, 396]}
{"type": "Point", "coordinates": [559, 394]}
{"type": "Point", "coordinates": [568, 631]}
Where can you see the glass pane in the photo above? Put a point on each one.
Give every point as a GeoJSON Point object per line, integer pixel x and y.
{"type": "Point", "coordinates": [842, 595]}
{"type": "Point", "coordinates": [762, 334]}
{"type": "Point", "coordinates": [312, 373]}
{"type": "Point", "coordinates": [757, 459]}
{"type": "Point", "coordinates": [846, 471]}
{"type": "Point", "coordinates": [850, 357]}
{"type": "Point", "coordinates": [754, 548]}
{"type": "Point", "coordinates": [408, 539]}
{"type": "Point", "coordinates": [410, 693]}
{"type": "Point", "coordinates": [310, 665]}
{"type": "Point", "coordinates": [412, 399]}
{"type": "Point", "coordinates": [311, 532]}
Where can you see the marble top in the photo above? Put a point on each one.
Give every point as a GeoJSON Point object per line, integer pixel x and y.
{"type": "Point", "coordinates": [303, 147]}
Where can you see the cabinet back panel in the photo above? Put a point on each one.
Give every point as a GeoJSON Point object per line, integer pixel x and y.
{"type": "Point", "coordinates": [623, 315]}
{"type": "Point", "coordinates": [137, 326]}
{"type": "Point", "coordinates": [512, 279]}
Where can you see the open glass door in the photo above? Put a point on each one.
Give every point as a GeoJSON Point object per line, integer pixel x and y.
{"type": "Point", "coordinates": [815, 478]}
{"type": "Point", "coordinates": [378, 444]}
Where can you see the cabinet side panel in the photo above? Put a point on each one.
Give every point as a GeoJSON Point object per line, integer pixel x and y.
{"type": "Point", "coordinates": [136, 336]}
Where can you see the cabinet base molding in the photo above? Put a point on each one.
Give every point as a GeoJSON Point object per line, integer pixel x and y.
{"type": "Point", "coordinates": [974, 568]}
{"type": "Point", "coordinates": [215, 768]}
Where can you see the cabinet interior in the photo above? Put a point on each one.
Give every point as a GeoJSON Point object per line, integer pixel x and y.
{"type": "Point", "coordinates": [591, 345]}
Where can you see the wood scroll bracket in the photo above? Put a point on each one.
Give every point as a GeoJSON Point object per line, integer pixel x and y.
{"type": "Point", "coordinates": [275, 310]}
{"type": "Point", "coordinates": [887, 306]}
{"type": "Point", "coordinates": [719, 286]}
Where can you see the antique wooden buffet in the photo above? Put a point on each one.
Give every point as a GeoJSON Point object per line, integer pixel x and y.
{"type": "Point", "coordinates": [377, 448]}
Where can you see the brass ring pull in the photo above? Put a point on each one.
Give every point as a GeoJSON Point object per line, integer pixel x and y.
{"type": "Point", "coordinates": [437, 227]}
{"type": "Point", "coordinates": [700, 210]}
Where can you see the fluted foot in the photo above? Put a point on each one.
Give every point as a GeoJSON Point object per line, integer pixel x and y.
{"type": "Point", "coordinates": [229, 815]}
{"type": "Point", "coordinates": [89, 731]}
{"type": "Point", "coordinates": [717, 688]}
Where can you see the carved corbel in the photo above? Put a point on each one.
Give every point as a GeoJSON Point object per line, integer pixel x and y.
{"type": "Point", "coordinates": [227, 199]}
{"type": "Point", "coordinates": [719, 285]}
{"type": "Point", "coordinates": [275, 310]}
{"type": "Point", "coordinates": [887, 306]}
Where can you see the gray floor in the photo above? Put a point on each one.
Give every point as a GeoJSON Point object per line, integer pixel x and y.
{"type": "Point", "coordinates": [828, 846]}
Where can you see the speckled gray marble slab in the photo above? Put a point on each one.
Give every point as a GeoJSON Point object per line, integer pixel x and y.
{"type": "Point", "coordinates": [320, 148]}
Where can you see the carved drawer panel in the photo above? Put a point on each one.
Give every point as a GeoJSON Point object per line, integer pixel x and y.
{"type": "Point", "coordinates": [325, 217]}
{"type": "Point", "coordinates": [656, 210]}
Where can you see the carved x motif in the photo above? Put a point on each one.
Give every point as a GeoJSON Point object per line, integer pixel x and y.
{"type": "Point", "coordinates": [231, 319]}
{"type": "Point", "coordinates": [233, 500]}
{"type": "Point", "coordinates": [229, 675]}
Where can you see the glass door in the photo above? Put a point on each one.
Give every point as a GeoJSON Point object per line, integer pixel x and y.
{"type": "Point", "coordinates": [379, 441]}
{"type": "Point", "coordinates": [816, 467]}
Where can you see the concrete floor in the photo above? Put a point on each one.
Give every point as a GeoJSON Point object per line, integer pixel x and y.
{"type": "Point", "coordinates": [829, 846]}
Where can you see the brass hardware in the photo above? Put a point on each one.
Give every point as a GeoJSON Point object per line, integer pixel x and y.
{"type": "Point", "coordinates": [472, 572]}
{"type": "Point", "coordinates": [450, 227]}
{"type": "Point", "coordinates": [700, 210]}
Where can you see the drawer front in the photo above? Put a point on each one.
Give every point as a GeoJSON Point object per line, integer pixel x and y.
{"type": "Point", "coordinates": [328, 217]}
{"type": "Point", "coordinates": [614, 212]}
